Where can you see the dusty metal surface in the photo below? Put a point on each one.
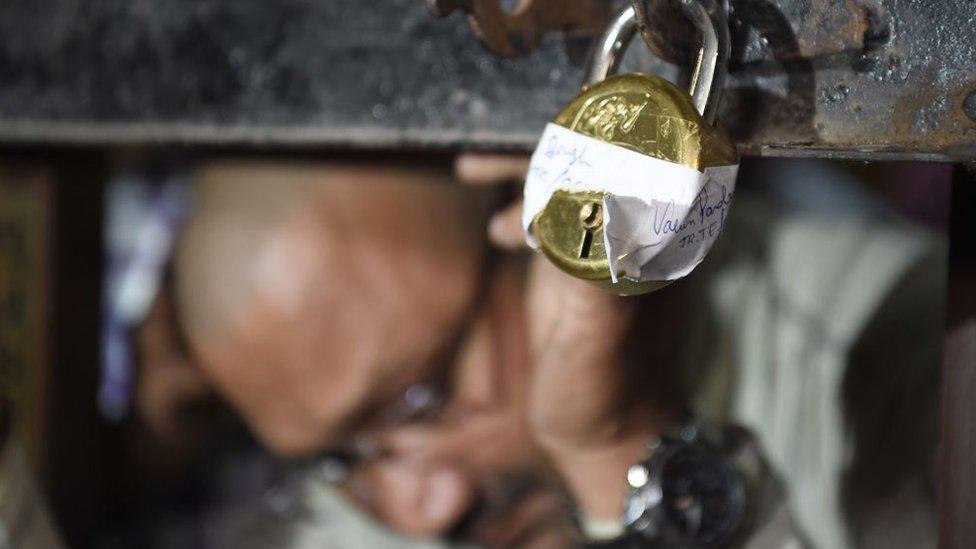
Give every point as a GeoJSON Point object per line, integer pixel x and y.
{"type": "Point", "coordinates": [842, 78]}
{"type": "Point", "coordinates": [294, 72]}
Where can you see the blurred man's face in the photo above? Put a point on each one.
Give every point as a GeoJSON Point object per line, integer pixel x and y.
{"type": "Point", "coordinates": [374, 330]}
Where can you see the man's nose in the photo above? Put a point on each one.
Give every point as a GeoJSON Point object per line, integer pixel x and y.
{"type": "Point", "coordinates": [421, 499]}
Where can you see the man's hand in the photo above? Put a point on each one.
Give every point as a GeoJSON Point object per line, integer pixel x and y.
{"type": "Point", "coordinates": [583, 408]}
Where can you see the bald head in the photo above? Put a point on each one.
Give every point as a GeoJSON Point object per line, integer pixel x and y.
{"type": "Point", "coordinates": [308, 291]}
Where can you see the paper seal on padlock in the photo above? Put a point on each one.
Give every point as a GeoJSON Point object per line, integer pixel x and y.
{"type": "Point", "coordinates": [632, 181]}
{"type": "Point", "coordinates": [659, 218]}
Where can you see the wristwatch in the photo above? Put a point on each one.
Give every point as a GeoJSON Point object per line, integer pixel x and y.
{"type": "Point", "coordinates": [693, 490]}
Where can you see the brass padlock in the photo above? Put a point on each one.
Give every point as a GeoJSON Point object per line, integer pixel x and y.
{"type": "Point", "coordinates": [640, 113]}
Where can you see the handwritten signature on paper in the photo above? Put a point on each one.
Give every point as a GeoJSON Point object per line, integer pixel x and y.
{"type": "Point", "coordinates": [564, 159]}
{"type": "Point", "coordinates": [575, 155]}
{"type": "Point", "coordinates": [563, 163]}
{"type": "Point", "coordinates": [704, 220]}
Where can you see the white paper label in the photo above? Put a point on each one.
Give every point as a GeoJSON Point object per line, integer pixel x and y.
{"type": "Point", "coordinates": [660, 218]}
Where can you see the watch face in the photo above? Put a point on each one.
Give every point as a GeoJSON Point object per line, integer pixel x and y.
{"type": "Point", "coordinates": [702, 494]}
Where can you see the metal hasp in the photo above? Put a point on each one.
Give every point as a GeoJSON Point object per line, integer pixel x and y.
{"type": "Point", "coordinates": [860, 77]}
{"type": "Point", "coordinates": [839, 78]}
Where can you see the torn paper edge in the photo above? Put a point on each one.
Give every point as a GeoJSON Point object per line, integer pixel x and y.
{"type": "Point", "coordinates": [660, 218]}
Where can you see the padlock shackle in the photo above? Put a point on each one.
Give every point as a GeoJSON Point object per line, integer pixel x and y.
{"type": "Point", "coordinates": [708, 78]}
{"type": "Point", "coordinates": [609, 48]}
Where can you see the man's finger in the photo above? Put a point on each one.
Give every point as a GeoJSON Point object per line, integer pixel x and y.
{"type": "Point", "coordinates": [505, 228]}
{"type": "Point", "coordinates": [490, 168]}
{"type": "Point", "coordinates": [577, 336]}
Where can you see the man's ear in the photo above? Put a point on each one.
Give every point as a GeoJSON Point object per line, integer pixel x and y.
{"type": "Point", "coordinates": [168, 381]}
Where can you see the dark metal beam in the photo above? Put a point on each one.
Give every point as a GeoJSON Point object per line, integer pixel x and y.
{"type": "Point", "coordinates": [864, 79]}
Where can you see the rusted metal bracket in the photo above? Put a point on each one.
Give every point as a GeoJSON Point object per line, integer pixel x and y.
{"type": "Point", "coordinates": [812, 29]}
{"type": "Point", "coordinates": [517, 32]}
{"type": "Point", "coordinates": [781, 30]}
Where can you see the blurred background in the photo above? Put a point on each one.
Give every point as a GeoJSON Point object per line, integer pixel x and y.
{"type": "Point", "coordinates": [118, 119]}
{"type": "Point", "coordinates": [130, 445]}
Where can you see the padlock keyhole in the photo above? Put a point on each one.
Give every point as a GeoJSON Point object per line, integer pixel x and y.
{"type": "Point", "coordinates": [584, 252]}
{"type": "Point", "coordinates": [591, 218]}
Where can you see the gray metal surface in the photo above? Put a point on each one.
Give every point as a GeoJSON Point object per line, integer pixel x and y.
{"type": "Point", "coordinates": [385, 73]}
{"type": "Point", "coordinates": [290, 71]}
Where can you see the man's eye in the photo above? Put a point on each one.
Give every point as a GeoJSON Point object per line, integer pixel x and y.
{"type": "Point", "coordinates": [418, 402]}
{"type": "Point", "coordinates": [422, 399]}
{"type": "Point", "coordinates": [335, 468]}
